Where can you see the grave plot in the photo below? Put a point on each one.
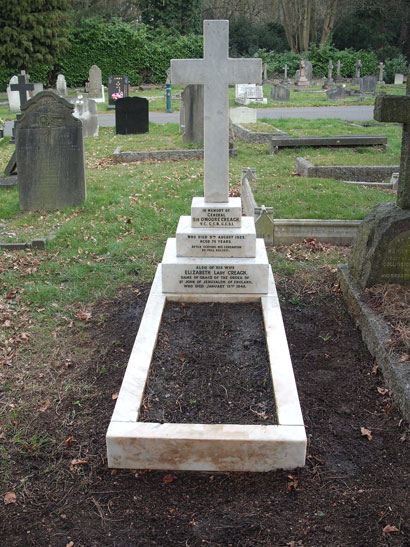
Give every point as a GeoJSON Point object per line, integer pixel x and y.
{"type": "Point", "coordinates": [215, 257]}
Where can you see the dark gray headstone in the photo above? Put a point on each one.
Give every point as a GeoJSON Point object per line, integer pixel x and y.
{"type": "Point", "coordinates": [49, 154]}
{"type": "Point", "coordinates": [309, 70]}
{"type": "Point", "coordinates": [117, 85]}
{"type": "Point", "coordinates": [279, 93]}
{"type": "Point", "coordinates": [368, 84]}
{"type": "Point", "coordinates": [131, 116]}
{"type": "Point", "coordinates": [192, 118]}
{"type": "Point", "coordinates": [337, 93]}
{"type": "Point", "coordinates": [381, 252]}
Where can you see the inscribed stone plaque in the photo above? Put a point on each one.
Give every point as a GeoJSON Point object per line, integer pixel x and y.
{"type": "Point", "coordinates": [193, 106]}
{"type": "Point", "coordinates": [398, 79]}
{"type": "Point", "coordinates": [117, 85]}
{"type": "Point", "coordinates": [50, 154]}
{"type": "Point", "coordinates": [131, 116]}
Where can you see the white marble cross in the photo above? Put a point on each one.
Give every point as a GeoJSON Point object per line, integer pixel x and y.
{"type": "Point", "coordinates": [216, 71]}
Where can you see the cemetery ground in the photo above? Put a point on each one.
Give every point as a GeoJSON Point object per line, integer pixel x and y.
{"type": "Point", "coordinates": [69, 316]}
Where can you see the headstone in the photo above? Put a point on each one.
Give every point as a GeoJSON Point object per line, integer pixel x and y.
{"type": "Point", "coordinates": [13, 96]}
{"type": "Point", "coordinates": [381, 71]}
{"type": "Point", "coordinates": [118, 88]}
{"type": "Point", "coordinates": [337, 93]}
{"type": "Point", "coordinates": [249, 94]}
{"type": "Point", "coordinates": [279, 93]}
{"type": "Point", "coordinates": [131, 116]}
{"type": "Point", "coordinates": [86, 111]}
{"type": "Point", "coordinates": [308, 70]}
{"type": "Point", "coordinates": [265, 72]}
{"type": "Point", "coordinates": [285, 78]}
{"type": "Point", "coordinates": [302, 81]}
{"type": "Point", "coordinates": [381, 253]}
{"type": "Point", "coordinates": [94, 86]}
{"type": "Point", "coordinates": [61, 86]}
{"type": "Point", "coordinates": [49, 154]}
{"type": "Point", "coordinates": [398, 79]}
{"type": "Point", "coordinates": [338, 71]}
{"type": "Point", "coordinates": [329, 83]}
{"type": "Point", "coordinates": [358, 66]}
{"type": "Point", "coordinates": [368, 84]}
{"type": "Point", "coordinates": [22, 87]}
{"type": "Point", "coordinates": [242, 114]}
{"type": "Point", "coordinates": [192, 105]}
{"type": "Point", "coordinates": [38, 87]}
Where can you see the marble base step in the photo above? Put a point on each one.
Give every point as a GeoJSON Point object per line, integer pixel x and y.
{"type": "Point", "coordinates": [214, 275]}
{"type": "Point", "coordinates": [216, 242]}
{"type": "Point", "coordinates": [216, 215]}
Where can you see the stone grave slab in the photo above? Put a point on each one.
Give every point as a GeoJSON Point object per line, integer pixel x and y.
{"type": "Point", "coordinates": [131, 116]}
{"type": "Point", "coordinates": [49, 154]}
{"type": "Point", "coordinates": [336, 140]}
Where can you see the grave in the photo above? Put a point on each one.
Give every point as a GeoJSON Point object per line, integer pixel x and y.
{"type": "Point", "coordinates": [61, 86]}
{"type": "Point", "coordinates": [49, 154]}
{"type": "Point", "coordinates": [131, 116]}
{"type": "Point", "coordinates": [284, 141]}
{"type": "Point", "coordinates": [381, 253]}
{"type": "Point", "coordinates": [13, 96]}
{"type": "Point", "coordinates": [381, 72]}
{"type": "Point", "coordinates": [280, 93]}
{"type": "Point", "coordinates": [249, 94]}
{"type": "Point", "coordinates": [86, 111]}
{"type": "Point", "coordinates": [242, 114]}
{"type": "Point", "coordinates": [337, 93]}
{"type": "Point", "coordinates": [365, 173]}
{"type": "Point", "coordinates": [215, 257]}
{"type": "Point", "coordinates": [22, 87]}
{"type": "Point", "coordinates": [118, 88]}
{"type": "Point", "coordinates": [302, 80]}
{"type": "Point", "coordinates": [285, 76]}
{"type": "Point", "coordinates": [94, 87]}
{"type": "Point", "coordinates": [329, 82]}
{"type": "Point", "coordinates": [192, 114]}
{"type": "Point", "coordinates": [398, 79]}
{"type": "Point", "coordinates": [339, 77]}
{"type": "Point", "coordinates": [368, 84]}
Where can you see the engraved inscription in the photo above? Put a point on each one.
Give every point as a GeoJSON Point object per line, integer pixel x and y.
{"type": "Point", "coordinates": [396, 263]}
{"type": "Point", "coordinates": [215, 277]}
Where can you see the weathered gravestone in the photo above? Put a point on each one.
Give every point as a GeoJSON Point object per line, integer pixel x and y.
{"type": "Point", "coordinates": [381, 71]}
{"type": "Point", "coordinates": [61, 86]}
{"type": "Point", "coordinates": [13, 96]}
{"type": "Point", "coordinates": [358, 66]}
{"type": "Point", "coordinates": [329, 82]}
{"type": "Point", "coordinates": [279, 93]}
{"type": "Point", "coordinates": [368, 84]}
{"type": "Point", "coordinates": [381, 253]}
{"type": "Point", "coordinates": [192, 114]}
{"type": "Point", "coordinates": [337, 93]}
{"type": "Point", "coordinates": [86, 111]}
{"type": "Point", "coordinates": [50, 154]}
{"type": "Point", "coordinates": [94, 86]}
{"type": "Point", "coordinates": [118, 88]}
{"type": "Point", "coordinates": [398, 79]}
{"type": "Point", "coordinates": [339, 71]}
{"type": "Point", "coordinates": [131, 116]}
{"type": "Point", "coordinates": [303, 80]}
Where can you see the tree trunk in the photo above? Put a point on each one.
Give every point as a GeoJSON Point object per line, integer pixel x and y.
{"type": "Point", "coordinates": [329, 21]}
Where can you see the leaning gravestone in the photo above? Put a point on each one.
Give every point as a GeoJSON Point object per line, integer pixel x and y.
{"type": "Point", "coordinates": [118, 88]}
{"type": "Point", "coordinates": [131, 116]}
{"type": "Point", "coordinates": [192, 114]}
{"type": "Point", "coordinates": [49, 154]}
{"type": "Point", "coordinates": [280, 93]}
{"type": "Point", "coordinates": [381, 253]}
{"type": "Point", "coordinates": [368, 84]}
{"type": "Point", "coordinates": [61, 86]}
{"type": "Point", "coordinates": [86, 111]}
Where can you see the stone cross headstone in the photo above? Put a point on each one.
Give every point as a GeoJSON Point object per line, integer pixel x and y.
{"type": "Point", "coordinates": [381, 253]}
{"type": "Point", "coordinates": [338, 70]}
{"type": "Point", "coordinates": [49, 154]}
{"type": "Point", "coordinates": [131, 116]}
{"type": "Point", "coordinates": [358, 66]}
{"type": "Point", "coordinates": [381, 70]}
{"type": "Point", "coordinates": [86, 110]}
{"type": "Point", "coordinates": [61, 86]}
{"type": "Point", "coordinates": [22, 87]}
{"type": "Point", "coordinates": [285, 78]}
{"type": "Point", "coordinates": [118, 88]}
{"type": "Point", "coordinates": [303, 81]}
{"type": "Point", "coordinates": [192, 110]}
{"type": "Point", "coordinates": [94, 86]}
{"type": "Point", "coordinates": [330, 69]}
{"type": "Point", "coordinates": [216, 71]}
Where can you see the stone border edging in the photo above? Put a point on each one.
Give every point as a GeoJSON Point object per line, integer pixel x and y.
{"type": "Point", "coordinates": [255, 137]}
{"type": "Point", "coordinates": [365, 173]}
{"type": "Point", "coordinates": [39, 244]}
{"type": "Point", "coordinates": [162, 155]}
{"type": "Point", "coordinates": [352, 141]}
{"type": "Point", "coordinates": [376, 335]}
{"type": "Point", "coordinates": [9, 181]}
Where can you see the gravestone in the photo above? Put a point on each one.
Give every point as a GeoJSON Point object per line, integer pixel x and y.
{"type": "Point", "coordinates": [398, 79]}
{"type": "Point", "coordinates": [86, 110]}
{"type": "Point", "coordinates": [249, 94]}
{"type": "Point", "coordinates": [285, 76]}
{"type": "Point", "coordinates": [303, 80]}
{"type": "Point", "coordinates": [192, 114]}
{"type": "Point", "coordinates": [381, 253]}
{"type": "Point", "coordinates": [368, 84]}
{"type": "Point", "coordinates": [265, 72]}
{"type": "Point", "coordinates": [358, 66]}
{"type": "Point", "coordinates": [338, 71]}
{"type": "Point", "coordinates": [61, 86]}
{"type": "Point", "coordinates": [337, 93]}
{"type": "Point", "coordinates": [13, 96]}
{"type": "Point", "coordinates": [118, 88]}
{"type": "Point", "coordinates": [131, 116]}
{"type": "Point", "coordinates": [22, 87]}
{"type": "Point", "coordinates": [381, 71]}
{"type": "Point", "coordinates": [308, 70]}
{"type": "Point", "coordinates": [279, 93]}
{"type": "Point", "coordinates": [49, 154]}
{"type": "Point", "coordinates": [329, 82]}
{"type": "Point", "coordinates": [94, 87]}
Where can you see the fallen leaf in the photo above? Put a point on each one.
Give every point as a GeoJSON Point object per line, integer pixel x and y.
{"type": "Point", "coordinates": [84, 315]}
{"type": "Point", "coordinates": [10, 497]}
{"type": "Point", "coordinates": [405, 357]}
{"type": "Point", "coordinates": [403, 438]}
{"type": "Point", "coordinates": [45, 405]}
{"type": "Point", "coordinates": [388, 529]}
{"type": "Point", "coordinates": [71, 544]}
{"type": "Point", "coordinates": [382, 390]}
{"type": "Point", "coordinates": [68, 441]}
{"type": "Point", "coordinates": [168, 478]}
{"type": "Point", "coordinates": [114, 396]}
{"type": "Point", "coordinates": [375, 369]}
{"type": "Point", "coordinates": [366, 433]}
{"type": "Point", "coordinates": [77, 461]}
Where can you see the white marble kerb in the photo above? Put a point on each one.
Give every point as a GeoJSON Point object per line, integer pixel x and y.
{"type": "Point", "coordinates": [216, 71]}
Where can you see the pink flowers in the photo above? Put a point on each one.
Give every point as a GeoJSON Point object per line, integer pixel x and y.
{"type": "Point", "coordinates": [118, 95]}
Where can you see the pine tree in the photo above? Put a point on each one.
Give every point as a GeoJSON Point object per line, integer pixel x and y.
{"type": "Point", "coordinates": [32, 32]}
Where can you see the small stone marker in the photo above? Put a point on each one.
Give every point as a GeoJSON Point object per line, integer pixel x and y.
{"type": "Point", "coordinates": [22, 87]}
{"type": "Point", "coordinates": [368, 84]}
{"type": "Point", "coordinates": [49, 154]}
{"type": "Point", "coordinates": [381, 70]}
{"type": "Point", "coordinates": [86, 111]}
{"type": "Point", "coordinates": [192, 114]}
{"type": "Point", "coordinates": [381, 253]}
{"type": "Point", "coordinates": [118, 88]}
{"type": "Point", "coordinates": [398, 79]}
{"type": "Point", "coordinates": [279, 93]}
{"type": "Point", "coordinates": [61, 86]}
{"type": "Point", "coordinates": [338, 71]}
{"type": "Point", "coordinates": [131, 116]}
{"type": "Point", "coordinates": [285, 78]}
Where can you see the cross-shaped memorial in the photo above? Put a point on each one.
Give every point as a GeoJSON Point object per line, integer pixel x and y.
{"type": "Point", "coordinates": [216, 71]}
{"type": "Point", "coordinates": [22, 86]}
